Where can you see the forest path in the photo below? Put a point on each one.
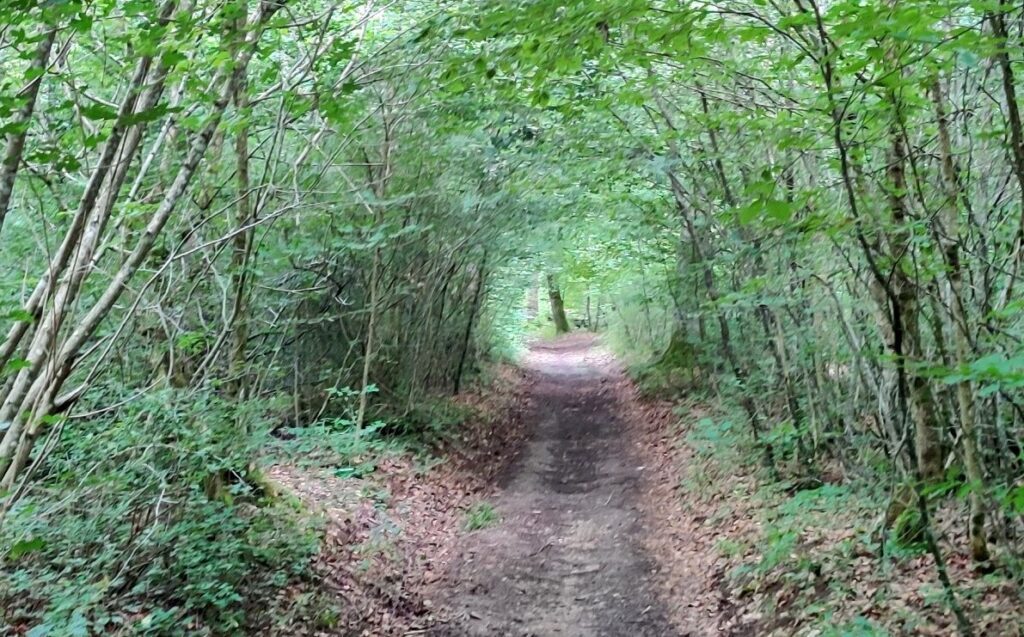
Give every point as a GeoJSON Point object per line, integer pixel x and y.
{"type": "Point", "coordinates": [566, 557]}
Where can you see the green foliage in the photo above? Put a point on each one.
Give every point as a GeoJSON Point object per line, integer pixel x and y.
{"type": "Point", "coordinates": [675, 371]}
{"type": "Point", "coordinates": [908, 532]}
{"type": "Point", "coordinates": [994, 372]}
{"type": "Point", "coordinates": [541, 327]}
{"type": "Point", "coordinates": [327, 443]}
{"type": "Point", "coordinates": [711, 436]}
{"type": "Point", "coordinates": [745, 199]}
{"type": "Point", "coordinates": [430, 420]}
{"type": "Point", "coordinates": [135, 543]}
{"type": "Point", "coordinates": [480, 516]}
{"type": "Point", "coordinates": [857, 627]}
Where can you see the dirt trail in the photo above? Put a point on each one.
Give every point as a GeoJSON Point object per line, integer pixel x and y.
{"type": "Point", "coordinates": [566, 557]}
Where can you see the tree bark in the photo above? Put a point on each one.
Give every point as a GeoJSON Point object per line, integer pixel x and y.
{"type": "Point", "coordinates": [725, 342]}
{"type": "Point", "coordinates": [371, 326]}
{"type": "Point", "coordinates": [33, 398]}
{"type": "Point", "coordinates": [474, 309]}
{"type": "Point", "coordinates": [21, 122]}
{"type": "Point", "coordinates": [242, 244]}
{"type": "Point", "coordinates": [927, 441]}
{"type": "Point", "coordinates": [97, 189]}
{"type": "Point", "coordinates": [557, 306]}
{"type": "Point", "coordinates": [998, 22]}
{"type": "Point", "coordinates": [950, 237]}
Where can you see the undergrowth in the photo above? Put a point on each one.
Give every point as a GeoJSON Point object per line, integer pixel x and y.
{"type": "Point", "coordinates": [139, 542]}
{"type": "Point", "coordinates": [136, 543]}
{"type": "Point", "coordinates": [807, 557]}
{"type": "Point", "coordinates": [785, 565]}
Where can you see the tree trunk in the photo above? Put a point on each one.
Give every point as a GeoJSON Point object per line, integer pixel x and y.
{"type": "Point", "coordinates": [242, 242]}
{"type": "Point", "coordinates": [474, 309]}
{"type": "Point", "coordinates": [34, 394]}
{"type": "Point", "coordinates": [725, 342]}
{"type": "Point", "coordinates": [776, 343]}
{"type": "Point", "coordinates": [998, 22]}
{"type": "Point", "coordinates": [964, 390]}
{"type": "Point", "coordinates": [828, 75]}
{"type": "Point", "coordinates": [557, 306]}
{"type": "Point", "coordinates": [371, 326]}
{"type": "Point", "coordinates": [22, 120]}
{"type": "Point", "coordinates": [927, 440]}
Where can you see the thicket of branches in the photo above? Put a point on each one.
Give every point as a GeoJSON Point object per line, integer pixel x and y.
{"type": "Point", "coordinates": [220, 221]}
{"type": "Point", "coordinates": [815, 209]}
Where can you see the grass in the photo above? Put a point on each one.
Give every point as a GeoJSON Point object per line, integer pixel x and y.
{"type": "Point", "coordinates": [480, 516]}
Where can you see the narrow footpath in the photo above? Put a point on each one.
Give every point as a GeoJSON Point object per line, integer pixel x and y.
{"type": "Point", "coordinates": [566, 556]}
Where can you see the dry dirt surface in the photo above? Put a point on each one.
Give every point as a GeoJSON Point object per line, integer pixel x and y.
{"type": "Point", "coordinates": [567, 556]}
{"type": "Point", "coordinates": [593, 536]}
{"type": "Point", "coordinates": [391, 535]}
{"type": "Point", "coordinates": [609, 523]}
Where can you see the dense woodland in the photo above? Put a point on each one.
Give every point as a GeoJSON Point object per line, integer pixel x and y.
{"type": "Point", "coordinates": [237, 231]}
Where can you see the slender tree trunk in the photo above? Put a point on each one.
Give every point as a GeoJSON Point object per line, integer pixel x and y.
{"type": "Point", "coordinates": [378, 183]}
{"type": "Point", "coordinates": [75, 252]}
{"type": "Point", "coordinates": [371, 326]}
{"type": "Point", "coordinates": [768, 454]}
{"type": "Point", "coordinates": [474, 308]}
{"type": "Point", "coordinates": [75, 249]}
{"type": "Point", "coordinates": [22, 121]}
{"type": "Point", "coordinates": [828, 75]}
{"type": "Point", "coordinates": [557, 306]}
{"type": "Point", "coordinates": [776, 343]}
{"type": "Point", "coordinates": [34, 395]}
{"type": "Point", "coordinates": [950, 237]}
{"type": "Point", "coordinates": [242, 243]}
{"type": "Point", "coordinates": [927, 441]}
{"type": "Point", "coordinates": [998, 21]}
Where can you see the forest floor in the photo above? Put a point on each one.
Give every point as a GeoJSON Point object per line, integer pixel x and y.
{"type": "Point", "coordinates": [567, 556]}
{"type": "Point", "coordinates": [583, 534]}
{"type": "Point", "coordinates": [568, 505]}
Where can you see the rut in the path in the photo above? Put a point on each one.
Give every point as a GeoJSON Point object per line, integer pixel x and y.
{"type": "Point", "coordinates": [566, 558]}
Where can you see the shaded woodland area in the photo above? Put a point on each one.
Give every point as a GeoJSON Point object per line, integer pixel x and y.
{"type": "Point", "coordinates": [242, 233]}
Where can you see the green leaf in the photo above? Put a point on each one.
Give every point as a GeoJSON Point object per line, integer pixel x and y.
{"type": "Point", "coordinates": [33, 73]}
{"type": "Point", "coordinates": [173, 57]}
{"type": "Point", "coordinates": [779, 210]}
{"type": "Point", "coordinates": [20, 315]}
{"type": "Point", "coordinates": [24, 548]}
{"type": "Point", "coordinates": [16, 364]}
{"type": "Point", "coordinates": [749, 212]}
{"type": "Point", "coordinates": [967, 58]}
{"type": "Point", "coordinates": [357, 471]}
{"type": "Point", "coordinates": [98, 112]}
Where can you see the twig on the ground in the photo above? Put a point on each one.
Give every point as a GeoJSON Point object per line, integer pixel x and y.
{"type": "Point", "coordinates": [547, 545]}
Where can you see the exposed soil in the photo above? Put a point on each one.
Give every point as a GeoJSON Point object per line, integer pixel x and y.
{"type": "Point", "coordinates": [609, 524]}
{"type": "Point", "coordinates": [391, 535]}
{"type": "Point", "coordinates": [591, 537]}
{"type": "Point", "coordinates": [567, 556]}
